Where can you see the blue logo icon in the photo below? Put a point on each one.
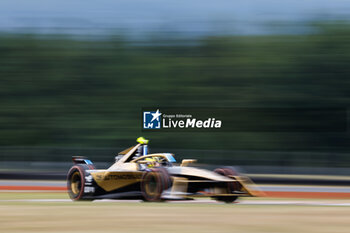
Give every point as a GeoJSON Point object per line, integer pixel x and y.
{"type": "Point", "coordinates": [151, 120]}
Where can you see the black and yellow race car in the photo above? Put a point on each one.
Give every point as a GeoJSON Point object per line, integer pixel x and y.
{"type": "Point", "coordinates": [153, 177]}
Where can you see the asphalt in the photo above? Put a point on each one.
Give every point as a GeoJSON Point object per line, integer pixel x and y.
{"type": "Point", "coordinates": [268, 190]}
{"type": "Point", "coordinates": [209, 201]}
{"type": "Point", "coordinates": [257, 178]}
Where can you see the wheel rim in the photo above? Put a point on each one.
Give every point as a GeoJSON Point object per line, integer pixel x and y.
{"type": "Point", "coordinates": [76, 183]}
{"type": "Point", "coordinates": [152, 186]}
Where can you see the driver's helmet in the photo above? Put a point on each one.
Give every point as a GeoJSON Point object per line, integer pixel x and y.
{"type": "Point", "coordinates": [142, 141]}
{"type": "Point", "coordinates": [151, 162]}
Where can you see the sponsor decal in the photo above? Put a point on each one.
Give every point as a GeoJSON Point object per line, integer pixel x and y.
{"type": "Point", "coordinates": [88, 189]}
{"type": "Point", "coordinates": [88, 178]}
{"type": "Point", "coordinates": [118, 177]}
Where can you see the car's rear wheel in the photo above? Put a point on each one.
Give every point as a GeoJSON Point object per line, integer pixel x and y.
{"type": "Point", "coordinates": [231, 187]}
{"type": "Point", "coordinates": [153, 183]}
{"type": "Point", "coordinates": [76, 183]}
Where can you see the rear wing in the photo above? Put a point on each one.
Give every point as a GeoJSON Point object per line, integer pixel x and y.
{"type": "Point", "coordinates": [81, 160]}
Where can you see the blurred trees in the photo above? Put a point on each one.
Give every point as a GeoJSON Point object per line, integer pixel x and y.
{"type": "Point", "coordinates": [62, 91]}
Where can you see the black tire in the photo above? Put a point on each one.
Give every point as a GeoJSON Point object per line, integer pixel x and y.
{"type": "Point", "coordinates": [76, 182]}
{"type": "Point", "coordinates": [227, 200]}
{"type": "Point", "coordinates": [230, 171]}
{"type": "Point", "coordinates": [166, 179]}
{"type": "Point", "coordinates": [231, 187]}
{"type": "Point", "coordinates": [153, 183]}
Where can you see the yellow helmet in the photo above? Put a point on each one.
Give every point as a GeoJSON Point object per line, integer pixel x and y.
{"type": "Point", "coordinates": [142, 140]}
{"type": "Point", "coordinates": [151, 162]}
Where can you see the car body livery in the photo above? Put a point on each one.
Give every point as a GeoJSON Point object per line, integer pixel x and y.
{"type": "Point", "coordinates": [154, 177]}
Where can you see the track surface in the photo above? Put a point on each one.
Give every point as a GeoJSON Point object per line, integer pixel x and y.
{"type": "Point", "coordinates": [205, 201]}
{"type": "Point", "coordinates": [277, 191]}
{"type": "Point", "coordinates": [34, 212]}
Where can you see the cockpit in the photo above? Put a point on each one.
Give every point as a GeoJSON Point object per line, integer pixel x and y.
{"type": "Point", "coordinates": [155, 160]}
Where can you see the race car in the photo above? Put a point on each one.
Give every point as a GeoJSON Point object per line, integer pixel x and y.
{"type": "Point", "coordinates": [153, 177]}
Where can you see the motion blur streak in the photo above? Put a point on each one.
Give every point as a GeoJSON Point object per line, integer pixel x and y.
{"type": "Point", "coordinates": [74, 76]}
{"type": "Point", "coordinates": [62, 92]}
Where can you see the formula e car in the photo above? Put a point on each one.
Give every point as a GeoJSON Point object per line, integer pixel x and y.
{"type": "Point", "coordinates": [153, 177]}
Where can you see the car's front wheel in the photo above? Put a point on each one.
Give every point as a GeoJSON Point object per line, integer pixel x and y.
{"type": "Point", "coordinates": [153, 183]}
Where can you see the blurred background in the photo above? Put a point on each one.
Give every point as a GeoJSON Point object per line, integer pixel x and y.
{"type": "Point", "coordinates": [74, 76]}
